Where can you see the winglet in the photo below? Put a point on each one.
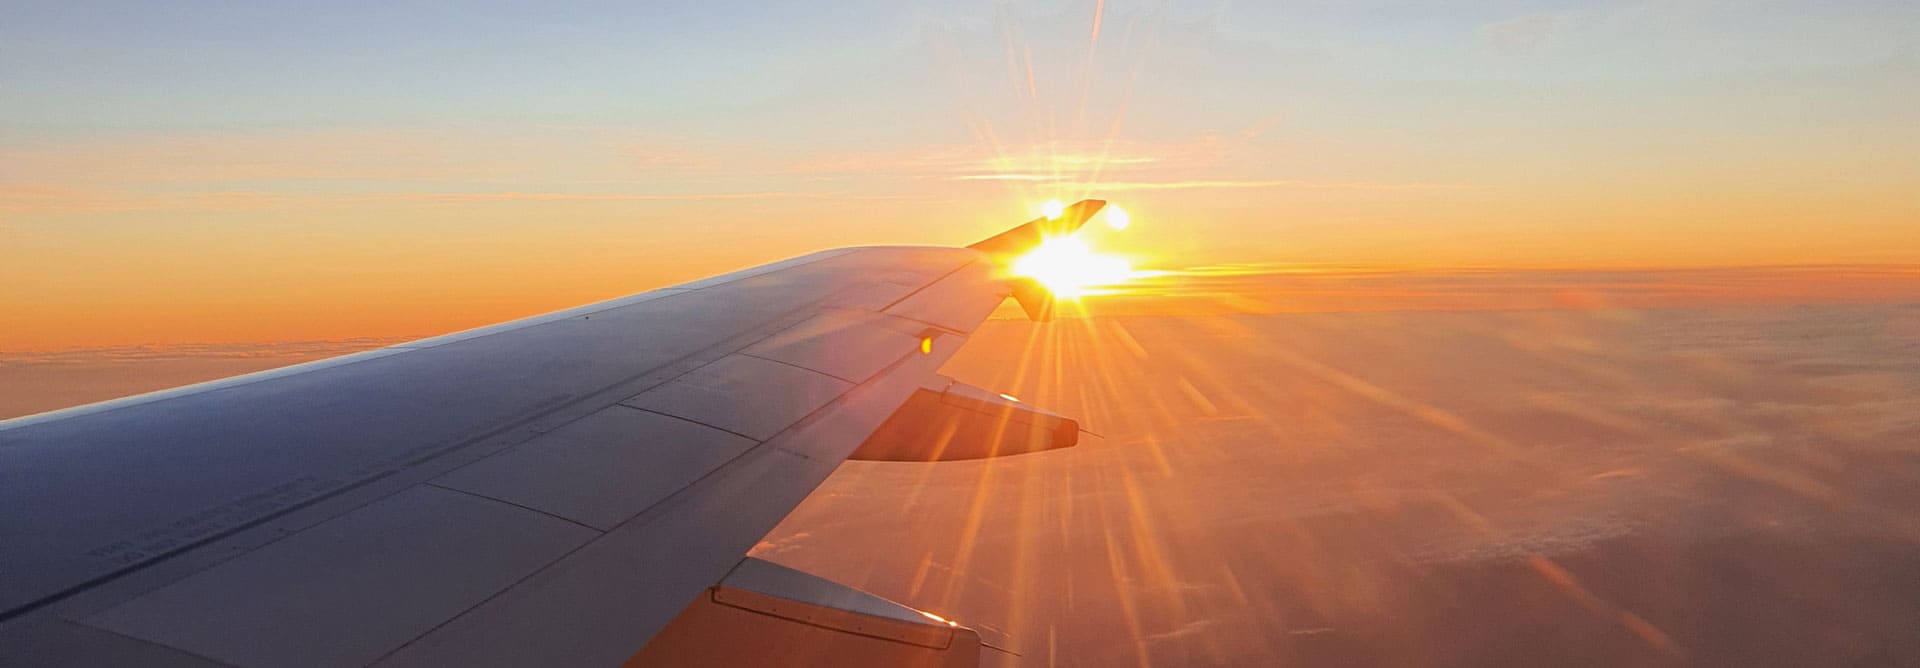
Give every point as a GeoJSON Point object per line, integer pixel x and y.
{"type": "Point", "coordinates": [1011, 243]}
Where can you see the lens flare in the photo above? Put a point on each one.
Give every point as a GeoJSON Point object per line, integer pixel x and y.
{"type": "Point", "coordinates": [1070, 268]}
{"type": "Point", "coordinates": [1117, 217]}
{"type": "Point", "coordinates": [938, 618]}
{"type": "Point", "coordinates": [1053, 209]}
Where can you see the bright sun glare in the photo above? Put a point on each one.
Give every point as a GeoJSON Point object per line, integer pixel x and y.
{"type": "Point", "coordinates": [1069, 268]}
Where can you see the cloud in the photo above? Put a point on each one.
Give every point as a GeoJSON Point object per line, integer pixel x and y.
{"type": "Point", "coordinates": [38, 199]}
{"type": "Point", "coordinates": [1300, 184]}
{"type": "Point", "coordinates": [1214, 184]}
{"type": "Point", "coordinates": [1041, 161]}
{"type": "Point", "coordinates": [308, 155]}
{"type": "Point", "coordinates": [613, 197]}
{"type": "Point", "coordinates": [1007, 177]}
{"type": "Point", "coordinates": [1288, 288]}
{"type": "Point", "coordinates": [138, 172]}
{"type": "Point", "coordinates": [663, 157]}
{"type": "Point", "coordinates": [31, 199]}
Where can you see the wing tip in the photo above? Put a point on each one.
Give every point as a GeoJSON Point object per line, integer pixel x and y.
{"type": "Point", "coordinates": [1026, 236]}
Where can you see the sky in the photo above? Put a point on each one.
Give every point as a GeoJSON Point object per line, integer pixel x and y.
{"type": "Point", "coordinates": [190, 190]}
{"type": "Point", "coordinates": [299, 171]}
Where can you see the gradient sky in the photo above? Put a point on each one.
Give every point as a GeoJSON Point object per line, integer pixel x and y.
{"type": "Point", "coordinates": [323, 170]}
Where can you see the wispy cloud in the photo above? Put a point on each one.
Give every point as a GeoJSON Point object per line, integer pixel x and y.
{"type": "Point", "coordinates": [1289, 288]}
{"type": "Point", "coordinates": [1282, 183]}
{"type": "Point", "coordinates": [307, 155]}
{"type": "Point", "coordinates": [33, 199]}
{"type": "Point", "coordinates": [610, 197]}
{"type": "Point", "coordinates": [1106, 186]}
{"type": "Point", "coordinates": [1007, 177]}
{"type": "Point", "coordinates": [1025, 162]}
{"type": "Point", "coordinates": [30, 199]}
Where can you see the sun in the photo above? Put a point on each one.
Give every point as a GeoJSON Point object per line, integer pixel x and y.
{"type": "Point", "coordinates": [1070, 268]}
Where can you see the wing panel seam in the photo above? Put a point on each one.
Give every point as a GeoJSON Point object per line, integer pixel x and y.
{"type": "Point", "coordinates": [928, 284]}
{"type": "Point", "coordinates": [689, 420]}
{"type": "Point", "coordinates": [743, 353]}
{"type": "Point", "coordinates": [569, 553]}
{"type": "Point", "coordinates": [525, 507]}
{"type": "Point", "coordinates": [155, 643]}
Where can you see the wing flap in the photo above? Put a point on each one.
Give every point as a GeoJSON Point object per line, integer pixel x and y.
{"type": "Point", "coordinates": [952, 421]}
{"type": "Point", "coordinates": [767, 614]}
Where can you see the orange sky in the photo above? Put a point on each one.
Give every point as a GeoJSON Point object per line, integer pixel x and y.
{"type": "Point", "coordinates": [292, 183]}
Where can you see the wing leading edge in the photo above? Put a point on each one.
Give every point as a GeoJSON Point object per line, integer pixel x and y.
{"type": "Point", "coordinates": [551, 490]}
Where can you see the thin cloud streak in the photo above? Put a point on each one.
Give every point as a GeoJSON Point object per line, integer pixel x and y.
{"type": "Point", "coordinates": [1283, 288]}
{"type": "Point", "coordinates": [1299, 184]}
{"type": "Point", "coordinates": [1216, 184]}
{"type": "Point", "coordinates": [613, 197]}
{"type": "Point", "coordinates": [30, 200]}
{"type": "Point", "coordinates": [1007, 177]}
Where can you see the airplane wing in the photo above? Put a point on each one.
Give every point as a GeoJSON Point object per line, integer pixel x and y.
{"type": "Point", "coordinates": [567, 489]}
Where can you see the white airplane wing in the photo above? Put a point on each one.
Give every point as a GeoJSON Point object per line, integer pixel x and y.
{"type": "Point", "coordinates": [577, 488]}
